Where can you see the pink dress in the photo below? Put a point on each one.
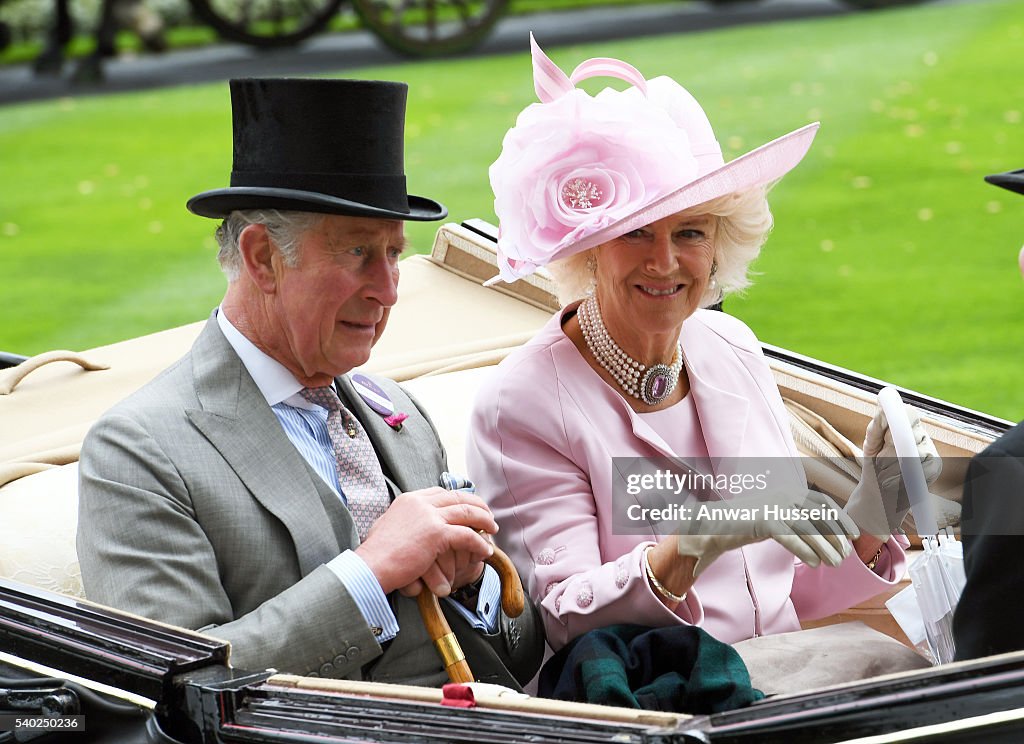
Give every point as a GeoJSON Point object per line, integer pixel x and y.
{"type": "Point", "coordinates": [544, 430]}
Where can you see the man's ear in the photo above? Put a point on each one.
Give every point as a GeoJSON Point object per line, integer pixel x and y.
{"type": "Point", "coordinates": [257, 253]}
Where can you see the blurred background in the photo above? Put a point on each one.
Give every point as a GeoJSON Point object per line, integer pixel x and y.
{"type": "Point", "coordinates": [890, 254]}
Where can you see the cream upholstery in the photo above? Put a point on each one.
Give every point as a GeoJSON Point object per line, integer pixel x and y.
{"type": "Point", "coordinates": [38, 516]}
{"type": "Point", "coordinates": [449, 399]}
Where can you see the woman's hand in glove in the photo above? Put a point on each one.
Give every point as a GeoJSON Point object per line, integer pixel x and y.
{"type": "Point", "coordinates": [878, 504]}
{"type": "Point", "coordinates": [811, 526]}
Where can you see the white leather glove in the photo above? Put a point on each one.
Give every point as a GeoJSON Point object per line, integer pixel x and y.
{"type": "Point", "coordinates": [810, 526]}
{"type": "Point", "coordinates": [879, 503]}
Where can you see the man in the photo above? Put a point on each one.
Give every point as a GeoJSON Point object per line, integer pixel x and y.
{"type": "Point", "coordinates": [990, 613]}
{"type": "Point", "coordinates": [250, 491]}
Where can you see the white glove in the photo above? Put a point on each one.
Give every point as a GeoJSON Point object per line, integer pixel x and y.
{"type": "Point", "coordinates": [811, 526]}
{"type": "Point", "coordinates": [879, 501]}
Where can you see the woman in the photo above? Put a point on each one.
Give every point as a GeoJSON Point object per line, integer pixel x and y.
{"type": "Point", "coordinates": [627, 197]}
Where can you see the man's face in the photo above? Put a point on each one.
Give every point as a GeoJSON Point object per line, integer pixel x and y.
{"type": "Point", "coordinates": [329, 310]}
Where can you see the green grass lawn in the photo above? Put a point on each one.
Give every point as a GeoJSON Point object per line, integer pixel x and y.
{"type": "Point", "coordinates": [890, 256]}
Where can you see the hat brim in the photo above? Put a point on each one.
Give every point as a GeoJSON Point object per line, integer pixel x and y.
{"type": "Point", "coordinates": [1012, 180]}
{"type": "Point", "coordinates": [219, 203]}
{"type": "Point", "coordinates": [759, 167]}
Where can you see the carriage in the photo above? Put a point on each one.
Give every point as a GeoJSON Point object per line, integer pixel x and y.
{"type": "Point", "coordinates": [129, 679]}
{"type": "Point", "coordinates": [412, 28]}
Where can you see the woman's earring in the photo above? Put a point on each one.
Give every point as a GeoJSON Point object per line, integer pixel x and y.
{"type": "Point", "coordinates": [592, 270]}
{"type": "Point", "coordinates": [713, 284]}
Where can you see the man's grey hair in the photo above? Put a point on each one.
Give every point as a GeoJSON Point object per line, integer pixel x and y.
{"type": "Point", "coordinates": [743, 223]}
{"type": "Point", "coordinates": [284, 228]}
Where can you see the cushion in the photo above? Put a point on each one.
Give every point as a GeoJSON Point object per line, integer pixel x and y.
{"type": "Point", "coordinates": [803, 660]}
{"type": "Point", "coordinates": [38, 522]}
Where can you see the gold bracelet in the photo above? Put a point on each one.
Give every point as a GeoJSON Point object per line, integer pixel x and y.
{"type": "Point", "coordinates": [870, 565]}
{"type": "Point", "coordinates": [657, 584]}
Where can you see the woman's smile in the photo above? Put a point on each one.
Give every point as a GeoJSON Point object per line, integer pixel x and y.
{"type": "Point", "coordinates": [659, 292]}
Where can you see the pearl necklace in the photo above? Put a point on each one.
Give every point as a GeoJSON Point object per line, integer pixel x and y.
{"type": "Point", "coordinates": [651, 386]}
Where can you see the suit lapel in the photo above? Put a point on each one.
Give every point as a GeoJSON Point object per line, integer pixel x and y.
{"type": "Point", "coordinates": [237, 421]}
{"type": "Point", "coordinates": [723, 414]}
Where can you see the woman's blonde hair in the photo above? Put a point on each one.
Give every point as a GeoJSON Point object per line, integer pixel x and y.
{"type": "Point", "coordinates": [743, 222]}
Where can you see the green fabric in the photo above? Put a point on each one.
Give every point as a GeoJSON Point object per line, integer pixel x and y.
{"type": "Point", "coordinates": [679, 669]}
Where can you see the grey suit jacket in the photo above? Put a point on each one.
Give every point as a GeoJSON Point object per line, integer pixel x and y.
{"type": "Point", "coordinates": [195, 509]}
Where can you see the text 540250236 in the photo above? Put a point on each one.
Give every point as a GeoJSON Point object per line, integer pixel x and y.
{"type": "Point", "coordinates": [9, 722]}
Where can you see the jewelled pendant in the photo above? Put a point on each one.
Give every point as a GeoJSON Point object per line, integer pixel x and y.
{"type": "Point", "coordinates": [656, 384]}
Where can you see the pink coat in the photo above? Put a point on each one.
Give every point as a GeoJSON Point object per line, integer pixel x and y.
{"type": "Point", "coordinates": [544, 429]}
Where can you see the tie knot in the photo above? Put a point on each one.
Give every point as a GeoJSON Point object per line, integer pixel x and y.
{"type": "Point", "coordinates": [323, 396]}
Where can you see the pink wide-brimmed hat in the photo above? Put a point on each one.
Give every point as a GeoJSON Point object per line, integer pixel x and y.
{"type": "Point", "coordinates": [578, 170]}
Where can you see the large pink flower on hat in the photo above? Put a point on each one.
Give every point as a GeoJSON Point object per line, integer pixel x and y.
{"type": "Point", "coordinates": [577, 164]}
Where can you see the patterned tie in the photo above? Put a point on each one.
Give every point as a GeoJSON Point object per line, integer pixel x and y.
{"type": "Point", "coordinates": [359, 473]}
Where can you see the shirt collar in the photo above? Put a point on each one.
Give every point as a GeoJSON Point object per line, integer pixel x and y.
{"type": "Point", "coordinates": [275, 382]}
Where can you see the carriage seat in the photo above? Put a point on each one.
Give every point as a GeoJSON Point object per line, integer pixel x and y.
{"type": "Point", "coordinates": [38, 520]}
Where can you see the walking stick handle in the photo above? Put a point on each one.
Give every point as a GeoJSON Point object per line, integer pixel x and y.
{"type": "Point", "coordinates": [513, 601]}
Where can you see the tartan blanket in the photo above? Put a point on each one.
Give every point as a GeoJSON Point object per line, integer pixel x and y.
{"type": "Point", "coordinates": [677, 669]}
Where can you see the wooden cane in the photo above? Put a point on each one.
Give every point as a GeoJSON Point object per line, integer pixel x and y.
{"type": "Point", "coordinates": [512, 602]}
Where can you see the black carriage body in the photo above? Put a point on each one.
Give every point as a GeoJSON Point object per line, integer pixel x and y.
{"type": "Point", "coordinates": [200, 699]}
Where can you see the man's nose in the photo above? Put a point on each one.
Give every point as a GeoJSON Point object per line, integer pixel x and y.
{"type": "Point", "coordinates": [382, 282]}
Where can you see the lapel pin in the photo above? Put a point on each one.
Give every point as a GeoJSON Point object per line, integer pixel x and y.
{"type": "Point", "coordinates": [375, 397]}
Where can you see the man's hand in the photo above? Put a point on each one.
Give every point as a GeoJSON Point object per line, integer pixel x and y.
{"type": "Point", "coordinates": [459, 569]}
{"type": "Point", "coordinates": [467, 570]}
{"type": "Point", "coordinates": [429, 536]}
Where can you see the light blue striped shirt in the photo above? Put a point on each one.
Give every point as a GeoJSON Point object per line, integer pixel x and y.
{"type": "Point", "coordinates": [305, 425]}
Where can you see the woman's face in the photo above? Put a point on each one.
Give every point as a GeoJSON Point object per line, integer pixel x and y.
{"type": "Point", "coordinates": [651, 279]}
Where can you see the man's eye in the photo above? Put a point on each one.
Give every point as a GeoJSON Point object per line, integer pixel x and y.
{"type": "Point", "coordinates": [359, 251]}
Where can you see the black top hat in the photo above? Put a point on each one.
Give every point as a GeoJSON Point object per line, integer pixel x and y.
{"type": "Point", "coordinates": [334, 146]}
{"type": "Point", "coordinates": [1012, 180]}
